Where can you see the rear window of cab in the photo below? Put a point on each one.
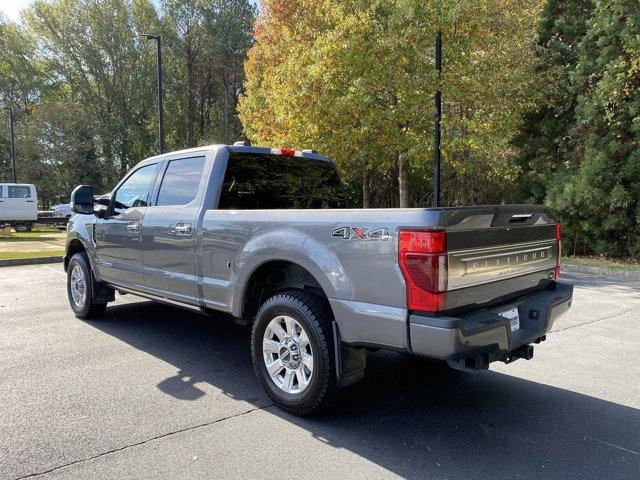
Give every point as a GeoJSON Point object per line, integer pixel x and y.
{"type": "Point", "coordinates": [268, 181]}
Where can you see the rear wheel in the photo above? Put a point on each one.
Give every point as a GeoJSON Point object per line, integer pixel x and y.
{"type": "Point", "coordinates": [80, 288]}
{"type": "Point", "coordinates": [22, 227]}
{"type": "Point", "coordinates": [292, 350]}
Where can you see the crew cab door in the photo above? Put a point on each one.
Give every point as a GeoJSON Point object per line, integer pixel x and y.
{"type": "Point", "coordinates": [169, 230]}
{"type": "Point", "coordinates": [117, 236]}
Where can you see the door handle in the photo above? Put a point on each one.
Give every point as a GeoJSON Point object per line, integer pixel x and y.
{"type": "Point", "coordinates": [133, 227]}
{"type": "Point", "coordinates": [183, 229]}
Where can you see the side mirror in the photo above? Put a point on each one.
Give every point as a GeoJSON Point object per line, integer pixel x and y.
{"type": "Point", "coordinates": [82, 199]}
{"type": "Point", "coordinates": [102, 205]}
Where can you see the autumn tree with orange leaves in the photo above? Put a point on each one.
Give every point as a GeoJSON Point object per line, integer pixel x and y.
{"type": "Point", "coordinates": [355, 80]}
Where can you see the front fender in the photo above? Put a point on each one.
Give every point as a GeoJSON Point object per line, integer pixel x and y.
{"type": "Point", "coordinates": [80, 229]}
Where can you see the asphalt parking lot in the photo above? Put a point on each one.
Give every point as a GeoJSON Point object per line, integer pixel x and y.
{"type": "Point", "coordinates": [155, 392]}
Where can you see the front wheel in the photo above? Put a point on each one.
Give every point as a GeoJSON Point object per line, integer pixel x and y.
{"type": "Point", "coordinates": [80, 288]}
{"type": "Point", "coordinates": [292, 351]}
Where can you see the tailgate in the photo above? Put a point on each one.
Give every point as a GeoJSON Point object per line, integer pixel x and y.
{"type": "Point", "coordinates": [497, 253]}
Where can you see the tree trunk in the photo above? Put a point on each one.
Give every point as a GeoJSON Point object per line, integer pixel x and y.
{"type": "Point", "coordinates": [403, 179]}
{"type": "Point", "coordinates": [366, 189]}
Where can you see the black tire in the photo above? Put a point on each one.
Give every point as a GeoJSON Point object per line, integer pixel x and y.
{"type": "Point", "coordinates": [22, 227]}
{"type": "Point", "coordinates": [314, 315]}
{"type": "Point", "coordinates": [88, 308]}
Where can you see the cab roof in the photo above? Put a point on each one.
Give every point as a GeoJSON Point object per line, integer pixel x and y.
{"type": "Point", "coordinates": [244, 147]}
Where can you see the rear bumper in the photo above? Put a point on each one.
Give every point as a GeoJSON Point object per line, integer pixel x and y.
{"type": "Point", "coordinates": [483, 333]}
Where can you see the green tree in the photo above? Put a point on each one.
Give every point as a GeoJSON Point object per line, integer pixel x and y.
{"type": "Point", "coordinates": [545, 142]}
{"type": "Point", "coordinates": [489, 81]}
{"type": "Point", "coordinates": [603, 190]}
{"type": "Point", "coordinates": [82, 82]}
{"type": "Point", "coordinates": [21, 84]}
{"type": "Point", "coordinates": [93, 49]}
{"type": "Point", "coordinates": [59, 146]}
{"type": "Point", "coordinates": [207, 44]}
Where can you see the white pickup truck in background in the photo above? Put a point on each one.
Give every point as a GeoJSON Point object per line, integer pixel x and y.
{"type": "Point", "coordinates": [18, 205]}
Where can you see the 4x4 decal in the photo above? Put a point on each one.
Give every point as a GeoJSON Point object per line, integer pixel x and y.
{"type": "Point", "coordinates": [361, 233]}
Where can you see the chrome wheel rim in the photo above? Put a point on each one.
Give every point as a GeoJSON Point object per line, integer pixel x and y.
{"type": "Point", "coordinates": [287, 354]}
{"type": "Point", "coordinates": [78, 286]}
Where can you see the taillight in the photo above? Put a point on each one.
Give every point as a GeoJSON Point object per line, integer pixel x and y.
{"type": "Point", "coordinates": [423, 262]}
{"type": "Point", "coordinates": [556, 272]}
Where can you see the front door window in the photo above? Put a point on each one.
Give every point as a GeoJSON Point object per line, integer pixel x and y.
{"type": "Point", "coordinates": [134, 192]}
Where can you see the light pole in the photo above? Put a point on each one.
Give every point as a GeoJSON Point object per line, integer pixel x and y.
{"type": "Point", "coordinates": [438, 102]}
{"type": "Point", "coordinates": [160, 113]}
{"type": "Point", "coordinates": [12, 151]}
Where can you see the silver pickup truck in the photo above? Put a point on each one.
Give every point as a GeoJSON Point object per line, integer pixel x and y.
{"type": "Point", "coordinates": [265, 236]}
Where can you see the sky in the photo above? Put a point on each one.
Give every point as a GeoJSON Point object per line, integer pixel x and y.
{"type": "Point", "coordinates": [12, 8]}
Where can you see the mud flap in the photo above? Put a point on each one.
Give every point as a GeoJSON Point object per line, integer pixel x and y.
{"type": "Point", "coordinates": [350, 362]}
{"type": "Point", "coordinates": [101, 292]}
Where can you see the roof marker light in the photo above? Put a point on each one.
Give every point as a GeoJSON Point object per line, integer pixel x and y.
{"type": "Point", "coordinates": [287, 152]}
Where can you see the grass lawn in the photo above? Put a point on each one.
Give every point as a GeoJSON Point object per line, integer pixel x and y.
{"type": "Point", "coordinates": [602, 263]}
{"type": "Point", "coordinates": [40, 234]}
{"type": "Point", "coordinates": [21, 255]}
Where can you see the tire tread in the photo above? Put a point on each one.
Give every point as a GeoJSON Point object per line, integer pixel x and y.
{"type": "Point", "coordinates": [318, 313]}
{"type": "Point", "coordinates": [93, 310]}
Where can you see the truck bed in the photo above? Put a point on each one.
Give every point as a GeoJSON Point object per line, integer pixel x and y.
{"type": "Point", "coordinates": [494, 253]}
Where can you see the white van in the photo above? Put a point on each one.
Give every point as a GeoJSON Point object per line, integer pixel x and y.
{"type": "Point", "coordinates": [18, 205]}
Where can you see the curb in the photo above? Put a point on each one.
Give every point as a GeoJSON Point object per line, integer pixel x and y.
{"type": "Point", "coordinates": [603, 272]}
{"type": "Point", "coordinates": [14, 262]}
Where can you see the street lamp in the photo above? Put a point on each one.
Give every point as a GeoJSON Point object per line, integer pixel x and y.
{"type": "Point", "coordinates": [156, 38]}
{"type": "Point", "coordinates": [438, 102]}
{"type": "Point", "coordinates": [12, 151]}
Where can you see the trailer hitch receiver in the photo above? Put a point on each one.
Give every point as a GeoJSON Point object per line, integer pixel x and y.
{"type": "Point", "coordinates": [525, 351]}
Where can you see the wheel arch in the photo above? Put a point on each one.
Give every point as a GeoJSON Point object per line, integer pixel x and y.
{"type": "Point", "coordinates": [77, 244]}
{"type": "Point", "coordinates": [290, 247]}
{"type": "Point", "coordinates": [74, 245]}
{"type": "Point", "coordinates": [102, 293]}
{"type": "Point", "coordinates": [273, 276]}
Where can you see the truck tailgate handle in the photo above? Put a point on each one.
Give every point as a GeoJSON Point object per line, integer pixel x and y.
{"type": "Point", "coordinates": [520, 217]}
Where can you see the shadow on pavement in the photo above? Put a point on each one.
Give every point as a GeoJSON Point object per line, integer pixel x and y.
{"type": "Point", "coordinates": [416, 420]}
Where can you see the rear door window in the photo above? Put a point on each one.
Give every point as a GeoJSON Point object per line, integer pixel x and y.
{"type": "Point", "coordinates": [181, 181]}
{"type": "Point", "coordinates": [264, 181]}
{"type": "Point", "coordinates": [19, 191]}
